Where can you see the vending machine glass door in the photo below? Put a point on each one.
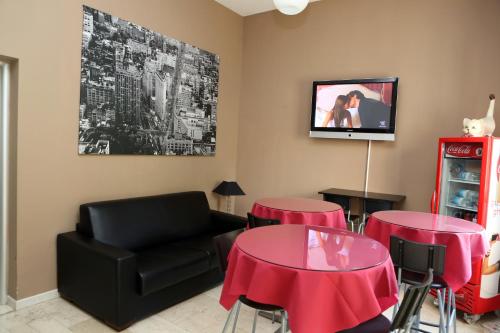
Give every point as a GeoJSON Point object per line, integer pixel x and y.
{"type": "Point", "coordinates": [460, 180]}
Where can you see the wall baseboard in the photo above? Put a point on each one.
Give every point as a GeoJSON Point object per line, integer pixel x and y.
{"type": "Point", "coordinates": [32, 300]}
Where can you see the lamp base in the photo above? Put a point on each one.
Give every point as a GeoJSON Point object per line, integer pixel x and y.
{"type": "Point", "coordinates": [227, 206]}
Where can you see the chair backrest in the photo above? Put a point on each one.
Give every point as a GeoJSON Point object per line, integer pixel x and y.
{"type": "Point", "coordinates": [417, 257]}
{"type": "Point", "coordinates": [340, 200]}
{"type": "Point", "coordinates": [223, 244]}
{"type": "Point", "coordinates": [255, 222]}
{"type": "Point", "coordinates": [412, 302]}
{"type": "Point", "coordinates": [374, 205]}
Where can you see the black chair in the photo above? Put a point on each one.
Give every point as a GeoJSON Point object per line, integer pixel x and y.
{"type": "Point", "coordinates": [255, 221]}
{"type": "Point", "coordinates": [371, 206]}
{"type": "Point", "coordinates": [345, 203]}
{"type": "Point", "coordinates": [405, 317]}
{"type": "Point", "coordinates": [412, 260]}
{"type": "Point", "coordinates": [223, 244]}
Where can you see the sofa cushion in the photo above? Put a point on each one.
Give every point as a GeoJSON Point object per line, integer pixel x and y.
{"type": "Point", "coordinates": [140, 222]}
{"type": "Point", "coordinates": [166, 265]}
{"type": "Point", "coordinates": [201, 243]}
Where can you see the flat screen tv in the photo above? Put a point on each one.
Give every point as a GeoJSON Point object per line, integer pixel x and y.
{"type": "Point", "coordinates": [363, 109]}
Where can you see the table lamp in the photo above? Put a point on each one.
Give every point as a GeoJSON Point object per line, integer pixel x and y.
{"type": "Point", "coordinates": [228, 189]}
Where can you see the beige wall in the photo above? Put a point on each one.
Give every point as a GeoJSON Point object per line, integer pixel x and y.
{"type": "Point", "coordinates": [445, 53]}
{"type": "Point", "coordinates": [52, 179]}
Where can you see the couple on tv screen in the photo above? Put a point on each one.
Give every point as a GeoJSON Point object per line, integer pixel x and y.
{"type": "Point", "coordinates": [354, 106]}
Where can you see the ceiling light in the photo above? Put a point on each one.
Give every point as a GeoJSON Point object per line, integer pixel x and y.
{"type": "Point", "coordinates": [290, 7]}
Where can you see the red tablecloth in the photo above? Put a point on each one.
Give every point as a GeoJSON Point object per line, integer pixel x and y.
{"type": "Point", "coordinates": [465, 241]}
{"type": "Point", "coordinates": [301, 211]}
{"type": "Point", "coordinates": [319, 301]}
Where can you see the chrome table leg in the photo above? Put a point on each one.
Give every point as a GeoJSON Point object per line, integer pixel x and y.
{"type": "Point", "coordinates": [236, 316]}
{"type": "Point", "coordinates": [229, 316]}
{"type": "Point", "coordinates": [254, 326]}
{"type": "Point", "coordinates": [284, 322]}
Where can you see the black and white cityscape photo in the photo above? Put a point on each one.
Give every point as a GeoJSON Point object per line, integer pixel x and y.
{"type": "Point", "coordinates": [144, 93]}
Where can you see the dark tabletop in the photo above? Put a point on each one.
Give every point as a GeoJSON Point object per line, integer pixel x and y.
{"type": "Point", "coordinates": [363, 195]}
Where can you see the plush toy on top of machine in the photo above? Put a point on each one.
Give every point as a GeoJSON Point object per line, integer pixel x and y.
{"type": "Point", "coordinates": [481, 127]}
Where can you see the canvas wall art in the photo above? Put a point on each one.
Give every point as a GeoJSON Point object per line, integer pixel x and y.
{"type": "Point", "coordinates": [144, 93]}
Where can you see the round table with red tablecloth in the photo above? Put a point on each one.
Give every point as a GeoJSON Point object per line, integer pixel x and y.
{"type": "Point", "coordinates": [465, 241]}
{"type": "Point", "coordinates": [301, 211]}
{"type": "Point", "coordinates": [326, 279]}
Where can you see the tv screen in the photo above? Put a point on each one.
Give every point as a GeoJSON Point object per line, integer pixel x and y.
{"type": "Point", "coordinates": [354, 109]}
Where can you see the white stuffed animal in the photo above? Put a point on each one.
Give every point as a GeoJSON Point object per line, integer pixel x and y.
{"type": "Point", "coordinates": [484, 126]}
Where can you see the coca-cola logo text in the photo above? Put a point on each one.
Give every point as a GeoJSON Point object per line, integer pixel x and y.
{"type": "Point", "coordinates": [459, 149]}
{"type": "Point", "coordinates": [464, 150]}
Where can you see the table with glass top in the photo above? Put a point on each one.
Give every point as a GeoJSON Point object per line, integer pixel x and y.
{"type": "Point", "coordinates": [300, 211]}
{"type": "Point", "coordinates": [326, 279]}
{"type": "Point", "coordinates": [465, 241]}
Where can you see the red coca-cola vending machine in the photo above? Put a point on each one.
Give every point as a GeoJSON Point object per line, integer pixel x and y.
{"type": "Point", "coordinates": [468, 187]}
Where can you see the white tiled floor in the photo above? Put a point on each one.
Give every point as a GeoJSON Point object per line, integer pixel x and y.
{"type": "Point", "coordinates": [4, 309]}
{"type": "Point", "coordinates": [201, 314]}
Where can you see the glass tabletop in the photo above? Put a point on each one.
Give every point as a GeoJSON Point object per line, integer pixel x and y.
{"type": "Point", "coordinates": [298, 204]}
{"type": "Point", "coordinates": [427, 221]}
{"type": "Point", "coordinates": [312, 248]}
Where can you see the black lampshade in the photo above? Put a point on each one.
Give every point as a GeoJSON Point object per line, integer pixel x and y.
{"type": "Point", "coordinates": [229, 188]}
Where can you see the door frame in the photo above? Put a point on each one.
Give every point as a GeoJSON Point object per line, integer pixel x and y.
{"type": "Point", "coordinates": [4, 154]}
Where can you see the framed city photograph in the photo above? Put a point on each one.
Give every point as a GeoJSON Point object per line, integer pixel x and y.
{"type": "Point", "coordinates": [144, 93]}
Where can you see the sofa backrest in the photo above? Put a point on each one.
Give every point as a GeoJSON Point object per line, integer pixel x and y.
{"type": "Point", "coordinates": [140, 222]}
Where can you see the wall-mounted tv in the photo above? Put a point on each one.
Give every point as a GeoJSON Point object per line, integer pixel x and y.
{"type": "Point", "coordinates": [363, 109]}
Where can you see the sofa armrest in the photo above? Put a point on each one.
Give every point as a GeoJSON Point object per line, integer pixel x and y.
{"type": "Point", "coordinates": [92, 246]}
{"type": "Point", "coordinates": [96, 276]}
{"type": "Point", "coordinates": [225, 222]}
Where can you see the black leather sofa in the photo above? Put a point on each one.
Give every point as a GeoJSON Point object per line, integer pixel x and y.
{"type": "Point", "coordinates": [131, 258]}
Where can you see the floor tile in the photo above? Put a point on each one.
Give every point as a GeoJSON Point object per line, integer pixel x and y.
{"type": "Point", "coordinates": [92, 326]}
{"type": "Point", "coordinates": [21, 328]}
{"type": "Point", "coordinates": [5, 309]}
{"type": "Point", "coordinates": [156, 324]}
{"type": "Point", "coordinates": [214, 292]}
{"type": "Point", "coordinates": [21, 317]}
{"type": "Point", "coordinates": [65, 312]}
{"type": "Point", "coordinates": [48, 325]}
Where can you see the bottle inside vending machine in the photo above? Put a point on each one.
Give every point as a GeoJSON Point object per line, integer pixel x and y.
{"type": "Point", "coordinates": [461, 183]}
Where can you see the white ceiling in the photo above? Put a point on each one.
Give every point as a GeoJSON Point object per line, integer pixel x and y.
{"type": "Point", "coordinates": [249, 7]}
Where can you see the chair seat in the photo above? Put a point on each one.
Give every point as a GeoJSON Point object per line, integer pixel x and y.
{"type": "Point", "coordinates": [416, 278]}
{"type": "Point", "coordinates": [166, 265]}
{"type": "Point", "coordinates": [259, 306]}
{"type": "Point", "coordinates": [352, 216]}
{"type": "Point", "coordinates": [379, 324]}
